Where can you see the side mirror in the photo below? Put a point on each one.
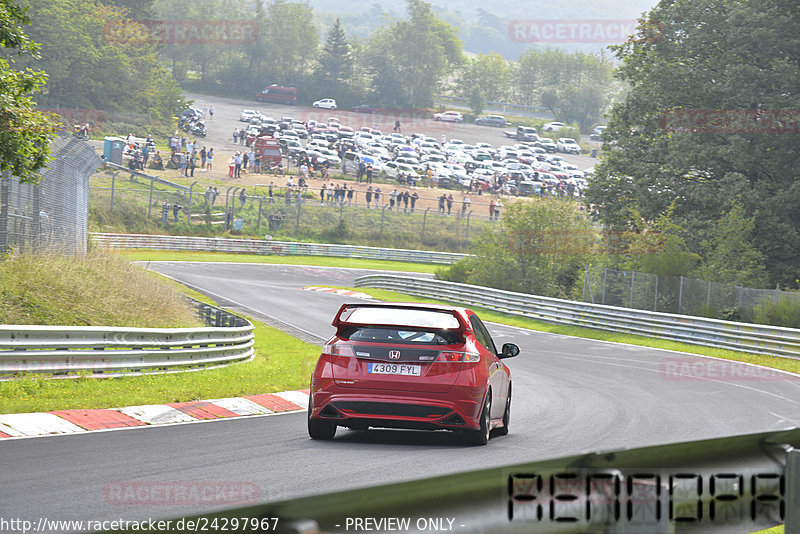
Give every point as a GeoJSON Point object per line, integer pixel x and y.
{"type": "Point", "coordinates": [509, 351]}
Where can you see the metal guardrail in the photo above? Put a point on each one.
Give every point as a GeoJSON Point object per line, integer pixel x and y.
{"type": "Point", "coordinates": [115, 350]}
{"type": "Point", "coordinates": [156, 179]}
{"type": "Point", "coordinates": [753, 338]}
{"type": "Point", "coordinates": [259, 246]}
{"type": "Point", "coordinates": [726, 485]}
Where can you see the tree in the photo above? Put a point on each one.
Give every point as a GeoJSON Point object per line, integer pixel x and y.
{"type": "Point", "coordinates": [335, 68]}
{"type": "Point", "coordinates": [409, 59]}
{"type": "Point", "coordinates": [540, 248]}
{"type": "Point", "coordinates": [709, 55]}
{"type": "Point", "coordinates": [476, 100]}
{"type": "Point", "coordinates": [729, 255]}
{"type": "Point", "coordinates": [489, 72]}
{"type": "Point", "coordinates": [25, 133]}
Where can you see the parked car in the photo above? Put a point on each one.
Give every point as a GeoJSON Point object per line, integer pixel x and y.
{"type": "Point", "coordinates": [325, 103]}
{"type": "Point", "coordinates": [492, 120]}
{"type": "Point", "coordinates": [247, 115]}
{"type": "Point", "coordinates": [416, 366]}
{"type": "Point", "coordinates": [448, 116]}
{"type": "Point", "coordinates": [548, 144]}
{"type": "Point", "coordinates": [568, 145]}
{"type": "Point", "coordinates": [597, 133]}
{"type": "Point", "coordinates": [363, 108]}
{"type": "Point", "coordinates": [553, 126]}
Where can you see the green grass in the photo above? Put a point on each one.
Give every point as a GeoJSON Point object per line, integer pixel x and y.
{"type": "Point", "coordinates": [99, 289]}
{"type": "Point", "coordinates": [281, 363]}
{"type": "Point", "coordinates": [776, 362]}
{"type": "Point", "coordinates": [317, 261]}
{"type": "Point", "coordinates": [774, 530]}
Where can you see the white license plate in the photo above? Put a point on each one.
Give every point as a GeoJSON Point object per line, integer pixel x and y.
{"type": "Point", "coordinates": [394, 369]}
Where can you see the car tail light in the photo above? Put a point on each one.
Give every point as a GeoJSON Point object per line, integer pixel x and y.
{"type": "Point", "coordinates": [458, 357]}
{"type": "Point", "coordinates": [332, 349]}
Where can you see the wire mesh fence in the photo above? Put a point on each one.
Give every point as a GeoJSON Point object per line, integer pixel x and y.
{"type": "Point", "coordinates": [289, 213]}
{"type": "Point", "coordinates": [54, 214]}
{"type": "Point", "coordinates": [677, 294]}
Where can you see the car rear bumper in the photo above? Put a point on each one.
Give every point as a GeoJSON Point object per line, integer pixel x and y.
{"type": "Point", "coordinates": [359, 408]}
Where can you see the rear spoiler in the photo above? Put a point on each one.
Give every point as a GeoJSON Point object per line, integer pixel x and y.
{"type": "Point", "coordinates": [347, 309]}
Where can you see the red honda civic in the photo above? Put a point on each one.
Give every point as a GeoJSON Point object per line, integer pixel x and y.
{"type": "Point", "coordinates": [415, 366]}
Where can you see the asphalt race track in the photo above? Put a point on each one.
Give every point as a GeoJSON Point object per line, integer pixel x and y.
{"type": "Point", "coordinates": [570, 395]}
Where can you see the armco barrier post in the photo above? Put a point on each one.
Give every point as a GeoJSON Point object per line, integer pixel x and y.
{"type": "Point", "coordinates": [792, 472]}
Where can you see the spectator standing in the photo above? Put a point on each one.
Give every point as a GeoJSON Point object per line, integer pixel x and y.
{"type": "Point", "coordinates": [406, 197]}
{"type": "Point", "coordinates": [209, 159]}
{"type": "Point", "coordinates": [392, 199]}
{"type": "Point", "coordinates": [242, 198]}
{"type": "Point", "coordinates": [231, 166]}
{"type": "Point", "coordinates": [376, 193]}
{"type": "Point", "coordinates": [145, 155]}
{"type": "Point", "coordinates": [369, 173]}
{"type": "Point", "coordinates": [175, 210]}
{"type": "Point", "coordinates": [491, 209]}
{"type": "Point", "coordinates": [245, 162]}
{"type": "Point", "coordinates": [465, 204]}
{"type": "Point", "coordinates": [203, 153]}
{"type": "Point", "coordinates": [210, 112]}
{"type": "Point", "coordinates": [257, 163]}
{"type": "Point", "coordinates": [414, 197]}
{"type": "Point", "coordinates": [442, 200]}
{"type": "Point", "coordinates": [368, 196]}
{"type": "Point", "coordinates": [360, 171]}
{"type": "Point", "coordinates": [270, 191]}
{"type": "Point", "coordinates": [164, 213]}
{"type": "Point", "coordinates": [228, 218]}
{"type": "Point", "coordinates": [322, 194]}
{"type": "Point", "coordinates": [497, 207]}
{"type": "Point", "coordinates": [350, 192]}
{"type": "Point", "coordinates": [192, 163]}
{"type": "Point", "coordinates": [235, 135]}
{"type": "Point", "coordinates": [450, 201]}
{"type": "Point", "coordinates": [237, 164]}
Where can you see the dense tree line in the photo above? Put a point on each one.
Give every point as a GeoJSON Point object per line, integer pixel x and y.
{"type": "Point", "coordinates": [697, 137]}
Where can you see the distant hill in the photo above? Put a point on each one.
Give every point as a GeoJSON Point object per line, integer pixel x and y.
{"type": "Point", "coordinates": [483, 25]}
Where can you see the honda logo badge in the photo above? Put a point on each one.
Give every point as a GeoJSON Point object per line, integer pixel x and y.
{"type": "Point", "coordinates": [394, 354]}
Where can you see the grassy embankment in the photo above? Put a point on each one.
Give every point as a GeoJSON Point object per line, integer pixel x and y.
{"type": "Point", "coordinates": [104, 290]}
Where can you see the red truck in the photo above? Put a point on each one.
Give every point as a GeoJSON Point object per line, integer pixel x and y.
{"type": "Point", "coordinates": [270, 150]}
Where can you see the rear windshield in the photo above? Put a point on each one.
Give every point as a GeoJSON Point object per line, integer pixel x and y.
{"type": "Point", "coordinates": [401, 335]}
{"type": "Point", "coordinates": [400, 317]}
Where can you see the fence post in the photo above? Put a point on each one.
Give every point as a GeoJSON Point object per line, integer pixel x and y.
{"type": "Point", "coordinates": [113, 177]}
{"type": "Point", "coordinates": [258, 222]}
{"type": "Point", "coordinates": [297, 224]}
{"type": "Point", "coordinates": [680, 296]}
{"type": "Point", "coordinates": [227, 197]}
{"type": "Point", "coordinates": [605, 275]}
{"type": "Point", "coordinates": [585, 280]}
{"type": "Point", "coordinates": [4, 200]}
{"type": "Point", "coordinates": [655, 301]}
{"type": "Point", "coordinates": [383, 214]}
{"type": "Point", "coordinates": [466, 241]}
{"type": "Point", "coordinates": [741, 296]}
{"type": "Point", "coordinates": [708, 294]}
{"type": "Point", "coordinates": [189, 205]}
{"type": "Point", "coordinates": [424, 218]}
{"type": "Point", "coordinates": [150, 201]}
{"type": "Point", "coordinates": [633, 277]}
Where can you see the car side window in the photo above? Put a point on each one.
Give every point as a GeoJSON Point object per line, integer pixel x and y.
{"type": "Point", "coordinates": [482, 334]}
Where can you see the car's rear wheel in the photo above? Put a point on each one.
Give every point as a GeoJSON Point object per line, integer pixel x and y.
{"type": "Point", "coordinates": [481, 436]}
{"type": "Point", "coordinates": [502, 431]}
{"type": "Point", "coordinates": [319, 429]}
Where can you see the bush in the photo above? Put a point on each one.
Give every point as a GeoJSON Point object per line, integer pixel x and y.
{"type": "Point", "coordinates": [784, 312]}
